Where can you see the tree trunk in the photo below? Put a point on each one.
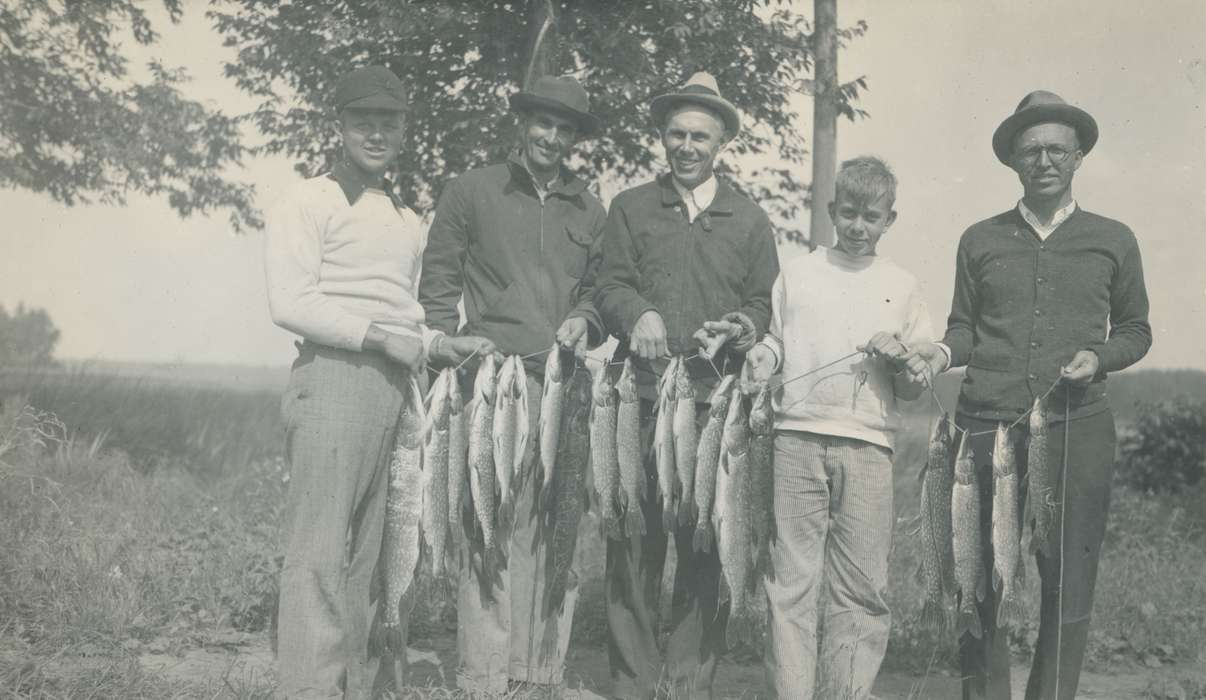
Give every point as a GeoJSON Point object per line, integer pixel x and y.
{"type": "Point", "coordinates": [824, 125]}
{"type": "Point", "coordinates": [539, 47]}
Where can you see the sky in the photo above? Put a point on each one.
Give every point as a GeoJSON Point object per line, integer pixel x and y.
{"type": "Point", "coordinates": [138, 283]}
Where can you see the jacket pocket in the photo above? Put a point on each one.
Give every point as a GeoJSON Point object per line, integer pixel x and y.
{"type": "Point", "coordinates": [577, 255]}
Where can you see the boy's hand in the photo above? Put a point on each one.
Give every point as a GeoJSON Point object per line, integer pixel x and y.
{"type": "Point", "coordinates": [448, 351]}
{"type": "Point", "coordinates": [758, 368]}
{"type": "Point", "coordinates": [402, 349]}
{"type": "Point", "coordinates": [887, 346]}
{"type": "Point", "coordinates": [924, 362]}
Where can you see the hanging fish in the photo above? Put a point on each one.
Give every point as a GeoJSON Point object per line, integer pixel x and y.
{"type": "Point", "coordinates": [762, 478]}
{"type": "Point", "coordinates": [628, 451]}
{"type": "Point", "coordinates": [1040, 499]}
{"type": "Point", "coordinates": [458, 460]}
{"type": "Point", "coordinates": [686, 442]}
{"type": "Point", "coordinates": [733, 515]}
{"type": "Point", "coordinates": [965, 536]}
{"type": "Point", "coordinates": [522, 427]}
{"type": "Point", "coordinates": [435, 485]}
{"type": "Point", "coordinates": [707, 459]}
{"type": "Point", "coordinates": [551, 400]}
{"type": "Point", "coordinates": [605, 464]}
{"type": "Point", "coordinates": [573, 455]}
{"type": "Point", "coordinates": [403, 511]}
{"type": "Point", "coordinates": [663, 443]}
{"type": "Point", "coordinates": [482, 474]}
{"type": "Point", "coordinates": [937, 553]}
{"type": "Point", "coordinates": [506, 415]}
{"type": "Point", "coordinates": [1006, 532]}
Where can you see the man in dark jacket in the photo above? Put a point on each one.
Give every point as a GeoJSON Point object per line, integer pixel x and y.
{"type": "Point", "coordinates": [1044, 293]}
{"type": "Point", "coordinates": [514, 241]}
{"type": "Point", "coordinates": [685, 257]}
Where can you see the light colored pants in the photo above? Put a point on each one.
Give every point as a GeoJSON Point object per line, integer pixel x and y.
{"type": "Point", "coordinates": [341, 411]}
{"type": "Point", "coordinates": [502, 631]}
{"type": "Point", "coordinates": [833, 513]}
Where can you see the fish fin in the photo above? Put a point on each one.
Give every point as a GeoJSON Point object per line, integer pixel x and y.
{"type": "Point", "coordinates": [969, 621]}
{"type": "Point", "coordinates": [913, 525]}
{"type": "Point", "coordinates": [634, 521]}
{"type": "Point", "coordinates": [506, 514]}
{"type": "Point", "coordinates": [546, 498]}
{"type": "Point", "coordinates": [981, 587]}
{"type": "Point", "coordinates": [997, 581]}
{"type": "Point", "coordinates": [686, 513]}
{"type": "Point", "coordinates": [703, 540]}
{"type": "Point", "coordinates": [762, 563]}
{"type": "Point", "coordinates": [1012, 611]}
{"type": "Point", "coordinates": [933, 616]}
{"type": "Point", "coordinates": [611, 525]}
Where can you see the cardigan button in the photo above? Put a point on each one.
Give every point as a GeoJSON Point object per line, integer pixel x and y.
{"type": "Point", "coordinates": [1038, 312]}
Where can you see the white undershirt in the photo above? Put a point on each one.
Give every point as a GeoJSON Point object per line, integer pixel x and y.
{"type": "Point", "coordinates": [698, 199]}
{"type": "Point", "coordinates": [1043, 231]}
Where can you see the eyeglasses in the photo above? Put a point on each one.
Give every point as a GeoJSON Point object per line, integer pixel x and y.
{"type": "Point", "coordinates": [1031, 156]}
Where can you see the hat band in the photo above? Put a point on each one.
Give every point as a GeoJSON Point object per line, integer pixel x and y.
{"type": "Point", "coordinates": [698, 90]}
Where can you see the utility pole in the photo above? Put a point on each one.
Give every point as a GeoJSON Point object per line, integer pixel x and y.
{"type": "Point", "coordinates": [824, 120]}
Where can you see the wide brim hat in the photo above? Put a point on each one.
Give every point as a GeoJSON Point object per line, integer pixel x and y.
{"type": "Point", "coordinates": [700, 89]}
{"type": "Point", "coordinates": [1040, 107]}
{"type": "Point", "coordinates": [565, 96]}
{"type": "Point", "coordinates": [370, 88]}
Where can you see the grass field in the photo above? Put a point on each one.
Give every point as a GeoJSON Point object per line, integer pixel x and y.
{"type": "Point", "coordinates": [139, 516]}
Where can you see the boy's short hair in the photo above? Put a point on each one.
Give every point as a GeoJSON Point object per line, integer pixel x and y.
{"type": "Point", "coordinates": [865, 179]}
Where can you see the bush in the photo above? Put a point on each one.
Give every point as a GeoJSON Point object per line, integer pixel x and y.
{"type": "Point", "coordinates": [1165, 450]}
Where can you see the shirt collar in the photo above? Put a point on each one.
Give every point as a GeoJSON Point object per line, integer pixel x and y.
{"type": "Point", "coordinates": [702, 195]}
{"type": "Point", "coordinates": [1060, 217]}
{"type": "Point", "coordinates": [352, 187]}
{"type": "Point", "coordinates": [565, 183]}
{"type": "Point", "coordinates": [718, 202]}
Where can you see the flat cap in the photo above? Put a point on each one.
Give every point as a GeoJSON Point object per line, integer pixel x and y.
{"type": "Point", "coordinates": [370, 87]}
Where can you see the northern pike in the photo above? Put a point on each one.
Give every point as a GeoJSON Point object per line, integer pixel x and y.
{"type": "Point", "coordinates": [435, 483]}
{"type": "Point", "coordinates": [733, 515]}
{"type": "Point", "coordinates": [573, 455]}
{"type": "Point", "coordinates": [604, 463]}
{"type": "Point", "coordinates": [506, 415]}
{"type": "Point", "coordinates": [1006, 532]}
{"type": "Point", "coordinates": [707, 460]}
{"type": "Point", "coordinates": [628, 451]}
{"type": "Point", "coordinates": [663, 442]}
{"type": "Point", "coordinates": [403, 511]}
{"type": "Point", "coordinates": [762, 477]}
{"type": "Point", "coordinates": [937, 554]}
{"type": "Point", "coordinates": [458, 459]}
{"type": "Point", "coordinates": [521, 424]}
{"type": "Point", "coordinates": [551, 402]}
{"type": "Point", "coordinates": [965, 537]}
{"type": "Point", "coordinates": [482, 475]}
{"type": "Point", "coordinates": [686, 442]}
{"type": "Point", "coordinates": [1040, 502]}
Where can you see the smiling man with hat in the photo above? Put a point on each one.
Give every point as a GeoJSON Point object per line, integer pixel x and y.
{"type": "Point", "coordinates": [514, 243]}
{"type": "Point", "coordinates": [1045, 292]}
{"type": "Point", "coordinates": [686, 261]}
{"type": "Point", "coordinates": [342, 261]}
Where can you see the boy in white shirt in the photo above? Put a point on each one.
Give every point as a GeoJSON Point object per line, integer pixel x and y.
{"type": "Point", "coordinates": [834, 437]}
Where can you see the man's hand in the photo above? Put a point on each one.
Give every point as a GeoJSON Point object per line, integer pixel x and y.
{"type": "Point", "coordinates": [713, 336]}
{"type": "Point", "coordinates": [448, 351]}
{"type": "Point", "coordinates": [403, 349]}
{"type": "Point", "coordinates": [1081, 369]}
{"type": "Point", "coordinates": [572, 335]}
{"type": "Point", "coordinates": [886, 345]}
{"type": "Point", "coordinates": [924, 362]}
{"type": "Point", "coordinates": [648, 338]}
{"type": "Point", "coordinates": [758, 368]}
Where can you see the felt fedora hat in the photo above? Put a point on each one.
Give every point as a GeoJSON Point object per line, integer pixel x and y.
{"type": "Point", "coordinates": [1040, 107]}
{"type": "Point", "coordinates": [700, 89]}
{"type": "Point", "coordinates": [370, 87]}
{"type": "Point", "coordinates": [564, 96]}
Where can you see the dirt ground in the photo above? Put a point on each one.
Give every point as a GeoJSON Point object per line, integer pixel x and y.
{"type": "Point", "coordinates": [433, 664]}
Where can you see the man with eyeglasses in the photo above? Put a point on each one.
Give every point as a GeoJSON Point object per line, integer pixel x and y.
{"type": "Point", "coordinates": [1044, 292]}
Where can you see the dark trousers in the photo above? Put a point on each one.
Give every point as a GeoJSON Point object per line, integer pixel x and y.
{"type": "Point", "coordinates": [1082, 510]}
{"type": "Point", "coordinates": [633, 591]}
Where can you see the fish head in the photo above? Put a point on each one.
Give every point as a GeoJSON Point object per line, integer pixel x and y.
{"type": "Point", "coordinates": [760, 413]}
{"type": "Point", "coordinates": [440, 397]}
{"type": "Point", "coordinates": [486, 381]}
{"type": "Point", "coordinates": [1038, 416]}
{"type": "Point", "coordinates": [601, 386]}
{"type": "Point", "coordinates": [964, 467]}
{"type": "Point", "coordinates": [506, 377]}
{"type": "Point", "coordinates": [1002, 452]}
{"type": "Point", "coordinates": [456, 401]}
{"type": "Point", "coordinates": [735, 419]}
{"type": "Point", "coordinates": [552, 365]}
{"type": "Point", "coordinates": [626, 384]}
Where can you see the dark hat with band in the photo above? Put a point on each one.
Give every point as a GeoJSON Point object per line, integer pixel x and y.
{"type": "Point", "coordinates": [565, 96]}
{"type": "Point", "coordinates": [370, 87]}
{"type": "Point", "coordinates": [700, 89]}
{"type": "Point", "coordinates": [1040, 107]}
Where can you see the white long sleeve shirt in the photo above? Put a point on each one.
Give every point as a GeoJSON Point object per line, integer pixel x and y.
{"type": "Point", "coordinates": [824, 305]}
{"type": "Point", "coordinates": [339, 258]}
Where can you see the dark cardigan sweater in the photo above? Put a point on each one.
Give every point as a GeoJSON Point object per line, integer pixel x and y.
{"type": "Point", "coordinates": [1023, 307]}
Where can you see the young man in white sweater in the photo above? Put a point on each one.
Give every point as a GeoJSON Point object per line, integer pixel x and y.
{"type": "Point", "coordinates": [834, 441]}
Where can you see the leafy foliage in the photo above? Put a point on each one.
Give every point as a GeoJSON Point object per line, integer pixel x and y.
{"type": "Point", "coordinates": [77, 125]}
{"type": "Point", "coordinates": [27, 337]}
{"type": "Point", "coordinates": [1165, 451]}
{"type": "Point", "coordinates": [462, 61]}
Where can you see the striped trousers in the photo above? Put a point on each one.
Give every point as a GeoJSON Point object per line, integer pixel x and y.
{"type": "Point", "coordinates": [833, 515]}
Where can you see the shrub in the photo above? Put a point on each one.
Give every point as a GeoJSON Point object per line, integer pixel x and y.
{"type": "Point", "coordinates": [1165, 450]}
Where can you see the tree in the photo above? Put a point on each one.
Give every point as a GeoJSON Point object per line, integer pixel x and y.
{"type": "Point", "coordinates": [27, 337]}
{"type": "Point", "coordinates": [463, 59]}
{"type": "Point", "coordinates": [76, 125]}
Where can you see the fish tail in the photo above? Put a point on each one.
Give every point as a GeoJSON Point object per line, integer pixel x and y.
{"type": "Point", "coordinates": [669, 514]}
{"type": "Point", "coordinates": [968, 621]}
{"type": "Point", "coordinates": [742, 627]}
{"type": "Point", "coordinates": [1011, 612]}
{"type": "Point", "coordinates": [933, 616]}
{"type": "Point", "coordinates": [611, 527]}
{"type": "Point", "coordinates": [506, 514]}
{"type": "Point", "coordinates": [762, 562]}
{"type": "Point", "coordinates": [687, 513]}
{"type": "Point", "coordinates": [634, 522]}
{"type": "Point", "coordinates": [702, 542]}
{"type": "Point", "coordinates": [441, 592]}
